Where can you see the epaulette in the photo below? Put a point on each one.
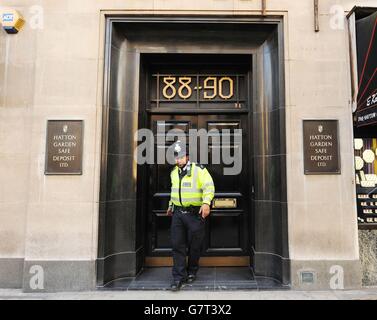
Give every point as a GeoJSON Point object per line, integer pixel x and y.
{"type": "Point", "coordinates": [200, 166]}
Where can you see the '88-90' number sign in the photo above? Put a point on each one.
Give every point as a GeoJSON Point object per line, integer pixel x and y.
{"type": "Point", "coordinates": [198, 87]}
{"type": "Point", "coordinates": [212, 87]}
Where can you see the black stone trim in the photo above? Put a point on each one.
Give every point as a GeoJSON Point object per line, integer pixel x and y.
{"type": "Point", "coordinates": [11, 272]}
{"type": "Point", "coordinates": [273, 266]}
{"type": "Point", "coordinates": [268, 55]}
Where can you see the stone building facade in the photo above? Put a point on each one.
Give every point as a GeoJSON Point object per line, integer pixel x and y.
{"type": "Point", "coordinates": [82, 60]}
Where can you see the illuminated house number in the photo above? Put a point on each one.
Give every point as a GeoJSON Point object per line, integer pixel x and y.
{"type": "Point", "coordinates": [213, 87]}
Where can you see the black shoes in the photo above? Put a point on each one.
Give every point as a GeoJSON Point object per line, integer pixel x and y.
{"type": "Point", "coordinates": [191, 278]}
{"type": "Point", "coordinates": [176, 285]}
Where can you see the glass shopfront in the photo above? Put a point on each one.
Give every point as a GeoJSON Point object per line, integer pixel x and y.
{"type": "Point", "coordinates": [365, 118]}
{"type": "Point", "coordinates": [366, 181]}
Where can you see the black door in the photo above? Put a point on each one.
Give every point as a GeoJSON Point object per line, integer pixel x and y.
{"type": "Point", "coordinates": [228, 225]}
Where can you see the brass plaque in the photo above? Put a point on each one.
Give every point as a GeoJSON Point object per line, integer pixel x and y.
{"type": "Point", "coordinates": [321, 147]}
{"type": "Point", "coordinates": [64, 147]}
{"type": "Point", "coordinates": [224, 203]}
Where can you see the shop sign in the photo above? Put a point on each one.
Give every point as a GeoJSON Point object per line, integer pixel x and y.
{"type": "Point", "coordinates": [366, 37]}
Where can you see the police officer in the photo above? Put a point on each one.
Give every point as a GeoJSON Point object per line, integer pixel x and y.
{"type": "Point", "coordinates": [192, 190]}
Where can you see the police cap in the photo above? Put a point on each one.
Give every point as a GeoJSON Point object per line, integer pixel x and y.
{"type": "Point", "coordinates": [179, 149]}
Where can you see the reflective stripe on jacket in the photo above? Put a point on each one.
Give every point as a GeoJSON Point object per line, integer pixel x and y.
{"type": "Point", "coordinates": [193, 189]}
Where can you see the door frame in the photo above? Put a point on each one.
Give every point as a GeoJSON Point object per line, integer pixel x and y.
{"type": "Point", "coordinates": [121, 255]}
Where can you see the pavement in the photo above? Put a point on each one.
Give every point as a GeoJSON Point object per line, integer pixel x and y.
{"type": "Point", "coordinates": [367, 293]}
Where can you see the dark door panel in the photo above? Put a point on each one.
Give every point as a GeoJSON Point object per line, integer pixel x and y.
{"type": "Point", "coordinates": [226, 228]}
{"type": "Point", "coordinates": [225, 233]}
{"type": "Point", "coordinates": [158, 233]}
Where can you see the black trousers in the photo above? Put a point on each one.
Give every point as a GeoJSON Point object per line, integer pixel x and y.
{"type": "Point", "coordinates": [187, 235]}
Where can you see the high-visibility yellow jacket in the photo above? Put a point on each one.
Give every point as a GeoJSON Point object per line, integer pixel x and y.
{"type": "Point", "coordinates": [193, 189]}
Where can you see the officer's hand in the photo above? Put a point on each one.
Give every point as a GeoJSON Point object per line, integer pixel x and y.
{"type": "Point", "coordinates": [204, 210]}
{"type": "Point", "coordinates": [169, 212]}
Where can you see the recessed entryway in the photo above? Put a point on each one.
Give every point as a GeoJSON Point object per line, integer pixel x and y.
{"type": "Point", "coordinates": [132, 230]}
